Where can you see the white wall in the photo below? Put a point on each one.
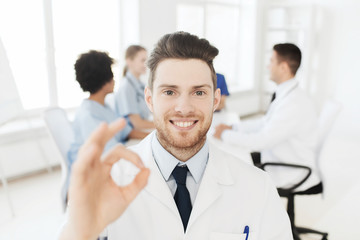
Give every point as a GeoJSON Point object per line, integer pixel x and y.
{"type": "Point", "coordinates": [157, 17]}
{"type": "Point", "coordinates": [338, 76]}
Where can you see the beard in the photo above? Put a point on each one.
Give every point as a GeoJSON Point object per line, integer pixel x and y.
{"type": "Point", "coordinates": [171, 138]}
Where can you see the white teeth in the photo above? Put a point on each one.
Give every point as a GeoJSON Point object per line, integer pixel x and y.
{"type": "Point", "coordinates": [183, 124]}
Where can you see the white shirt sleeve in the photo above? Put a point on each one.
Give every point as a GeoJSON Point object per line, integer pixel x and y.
{"type": "Point", "coordinates": [282, 124]}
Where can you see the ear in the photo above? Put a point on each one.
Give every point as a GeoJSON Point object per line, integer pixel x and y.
{"type": "Point", "coordinates": [284, 66]}
{"type": "Point", "coordinates": [217, 97]}
{"type": "Point", "coordinates": [148, 99]}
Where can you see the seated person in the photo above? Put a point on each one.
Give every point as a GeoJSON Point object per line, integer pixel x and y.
{"type": "Point", "coordinates": [129, 99]}
{"type": "Point", "coordinates": [94, 74]}
{"type": "Point", "coordinates": [287, 133]}
{"type": "Point", "coordinates": [221, 83]}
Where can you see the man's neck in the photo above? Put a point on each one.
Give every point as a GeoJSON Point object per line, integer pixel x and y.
{"type": "Point", "coordinates": [285, 79]}
{"type": "Point", "coordinates": [183, 154]}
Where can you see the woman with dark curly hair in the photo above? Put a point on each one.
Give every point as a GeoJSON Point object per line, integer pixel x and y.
{"type": "Point", "coordinates": [94, 74]}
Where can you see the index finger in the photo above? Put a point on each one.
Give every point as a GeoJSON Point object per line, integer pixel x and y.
{"type": "Point", "coordinates": [105, 132]}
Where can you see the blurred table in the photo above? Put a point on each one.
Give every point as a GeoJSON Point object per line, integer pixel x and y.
{"type": "Point", "coordinates": [228, 118]}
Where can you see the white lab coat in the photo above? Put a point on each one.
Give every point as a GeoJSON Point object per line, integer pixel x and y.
{"type": "Point", "coordinates": [287, 133]}
{"type": "Point", "coordinates": [232, 195]}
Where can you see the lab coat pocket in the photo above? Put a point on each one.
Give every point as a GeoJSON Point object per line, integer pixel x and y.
{"type": "Point", "coordinates": [229, 236]}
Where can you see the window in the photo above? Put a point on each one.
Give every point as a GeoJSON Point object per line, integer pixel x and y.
{"type": "Point", "coordinates": [96, 29]}
{"type": "Point", "coordinates": [230, 26]}
{"type": "Point", "coordinates": [23, 35]}
{"type": "Point", "coordinates": [43, 39]}
{"type": "Point", "coordinates": [292, 24]}
{"type": "Point", "coordinates": [190, 18]}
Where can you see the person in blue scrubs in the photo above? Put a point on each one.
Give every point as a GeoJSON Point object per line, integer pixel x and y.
{"type": "Point", "coordinates": [221, 83]}
{"type": "Point", "coordinates": [94, 74]}
{"type": "Point", "coordinates": [130, 99]}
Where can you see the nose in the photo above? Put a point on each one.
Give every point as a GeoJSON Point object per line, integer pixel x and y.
{"type": "Point", "coordinates": [184, 105]}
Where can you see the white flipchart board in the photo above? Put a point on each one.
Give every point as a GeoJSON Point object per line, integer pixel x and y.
{"type": "Point", "coordinates": [10, 103]}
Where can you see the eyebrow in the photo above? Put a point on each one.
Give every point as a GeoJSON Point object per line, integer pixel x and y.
{"type": "Point", "coordinates": [167, 86]}
{"type": "Point", "coordinates": [202, 86]}
{"type": "Point", "coordinates": [176, 86]}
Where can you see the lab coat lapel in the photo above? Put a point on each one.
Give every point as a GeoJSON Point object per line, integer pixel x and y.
{"type": "Point", "coordinates": [216, 174]}
{"type": "Point", "coordinates": [156, 186]}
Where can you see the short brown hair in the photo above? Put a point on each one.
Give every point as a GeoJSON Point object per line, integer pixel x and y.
{"type": "Point", "coordinates": [182, 45]}
{"type": "Point", "coordinates": [290, 54]}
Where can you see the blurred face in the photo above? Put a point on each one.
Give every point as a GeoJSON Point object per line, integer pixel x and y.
{"type": "Point", "coordinates": [275, 68]}
{"type": "Point", "coordinates": [137, 65]}
{"type": "Point", "coordinates": [182, 101]}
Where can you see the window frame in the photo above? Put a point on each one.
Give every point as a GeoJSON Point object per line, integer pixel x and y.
{"type": "Point", "coordinates": [239, 5]}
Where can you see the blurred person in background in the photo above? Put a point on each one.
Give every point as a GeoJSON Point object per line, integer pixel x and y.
{"type": "Point", "coordinates": [221, 83]}
{"type": "Point", "coordinates": [129, 99]}
{"type": "Point", "coordinates": [94, 74]}
{"type": "Point", "coordinates": [287, 133]}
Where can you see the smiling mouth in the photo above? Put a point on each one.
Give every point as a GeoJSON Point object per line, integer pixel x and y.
{"type": "Point", "coordinates": [184, 124]}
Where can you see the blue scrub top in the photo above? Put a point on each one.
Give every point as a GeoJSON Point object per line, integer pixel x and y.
{"type": "Point", "coordinates": [221, 83]}
{"type": "Point", "coordinates": [130, 98]}
{"type": "Point", "coordinates": [88, 117]}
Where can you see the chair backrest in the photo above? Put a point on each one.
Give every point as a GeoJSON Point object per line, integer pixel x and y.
{"type": "Point", "coordinates": [60, 129]}
{"type": "Point", "coordinates": [328, 115]}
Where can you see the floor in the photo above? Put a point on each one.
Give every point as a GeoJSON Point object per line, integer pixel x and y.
{"type": "Point", "coordinates": [38, 212]}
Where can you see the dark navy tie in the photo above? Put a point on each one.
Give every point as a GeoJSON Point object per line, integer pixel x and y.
{"type": "Point", "coordinates": [182, 196]}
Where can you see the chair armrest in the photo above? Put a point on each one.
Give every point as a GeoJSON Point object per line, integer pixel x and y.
{"type": "Point", "coordinates": [263, 165]}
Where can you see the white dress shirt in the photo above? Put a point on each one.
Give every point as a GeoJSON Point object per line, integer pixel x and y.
{"type": "Point", "coordinates": [167, 162]}
{"type": "Point", "coordinates": [287, 133]}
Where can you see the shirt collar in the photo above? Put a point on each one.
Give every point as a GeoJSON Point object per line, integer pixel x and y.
{"type": "Point", "coordinates": [285, 87]}
{"type": "Point", "coordinates": [167, 162]}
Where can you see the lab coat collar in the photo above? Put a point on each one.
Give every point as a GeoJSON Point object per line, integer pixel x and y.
{"type": "Point", "coordinates": [217, 174]}
{"type": "Point", "coordinates": [285, 88]}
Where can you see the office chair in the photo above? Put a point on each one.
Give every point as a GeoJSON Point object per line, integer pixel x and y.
{"type": "Point", "coordinates": [326, 120]}
{"type": "Point", "coordinates": [60, 130]}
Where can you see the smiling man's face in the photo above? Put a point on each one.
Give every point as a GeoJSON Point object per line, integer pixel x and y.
{"type": "Point", "coordinates": [183, 101]}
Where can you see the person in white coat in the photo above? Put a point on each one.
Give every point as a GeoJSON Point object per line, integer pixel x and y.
{"type": "Point", "coordinates": [195, 190]}
{"type": "Point", "coordinates": [287, 133]}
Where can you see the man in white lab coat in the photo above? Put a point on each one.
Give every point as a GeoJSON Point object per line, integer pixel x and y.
{"type": "Point", "coordinates": [287, 133]}
{"type": "Point", "coordinates": [194, 191]}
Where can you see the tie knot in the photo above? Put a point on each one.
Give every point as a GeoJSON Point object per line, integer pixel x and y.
{"type": "Point", "coordinates": [180, 173]}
